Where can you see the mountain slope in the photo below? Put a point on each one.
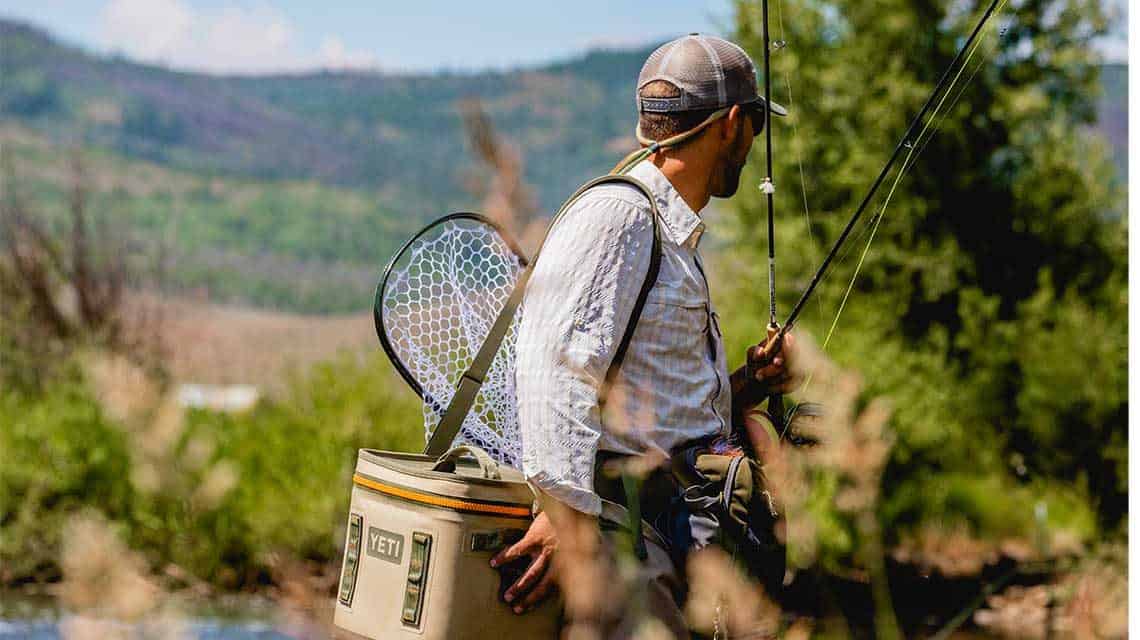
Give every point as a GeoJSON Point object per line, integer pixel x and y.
{"type": "Point", "coordinates": [290, 191]}
{"type": "Point", "coordinates": [400, 134]}
{"type": "Point", "coordinates": [285, 244]}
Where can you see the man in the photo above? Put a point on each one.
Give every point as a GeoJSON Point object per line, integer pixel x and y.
{"type": "Point", "coordinates": [673, 385]}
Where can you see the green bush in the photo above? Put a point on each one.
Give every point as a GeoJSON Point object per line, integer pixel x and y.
{"type": "Point", "coordinates": [289, 462]}
{"type": "Point", "coordinates": [295, 458]}
{"type": "Point", "coordinates": [58, 454]}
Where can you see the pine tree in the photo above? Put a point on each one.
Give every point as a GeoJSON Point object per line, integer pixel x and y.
{"type": "Point", "coordinates": [992, 305]}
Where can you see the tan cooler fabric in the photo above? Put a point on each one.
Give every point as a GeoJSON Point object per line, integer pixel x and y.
{"type": "Point", "coordinates": [418, 550]}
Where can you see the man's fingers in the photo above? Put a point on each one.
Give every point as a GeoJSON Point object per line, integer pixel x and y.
{"type": "Point", "coordinates": [511, 553]}
{"type": "Point", "coordinates": [779, 376]}
{"type": "Point", "coordinates": [539, 593]}
{"type": "Point", "coordinates": [528, 579]}
{"type": "Point", "coordinates": [765, 374]}
{"type": "Point", "coordinates": [784, 383]}
{"type": "Point", "coordinates": [768, 349]}
{"type": "Point", "coordinates": [774, 373]}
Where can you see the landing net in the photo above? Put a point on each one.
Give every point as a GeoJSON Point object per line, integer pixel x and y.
{"type": "Point", "coordinates": [435, 306]}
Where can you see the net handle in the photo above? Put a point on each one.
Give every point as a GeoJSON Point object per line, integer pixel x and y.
{"type": "Point", "coordinates": [472, 380]}
{"type": "Point", "coordinates": [377, 306]}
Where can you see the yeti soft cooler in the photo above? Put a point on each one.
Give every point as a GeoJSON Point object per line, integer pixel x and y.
{"type": "Point", "coordinates": [421, 533]}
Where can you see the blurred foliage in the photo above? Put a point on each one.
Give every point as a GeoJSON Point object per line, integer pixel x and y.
{"type": "Point", "coordinates": [991, 308]}
{"type": "Point", "coordinates": [287, 471]}
{"type": "Point", "coordinates": [66, 433]}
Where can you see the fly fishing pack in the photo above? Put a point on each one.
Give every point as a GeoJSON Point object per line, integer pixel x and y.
{"type": "Point", "coordinates": [422, 527]}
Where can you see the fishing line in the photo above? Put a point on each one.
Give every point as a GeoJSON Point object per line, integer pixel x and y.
{"type": "Point", "coordinates": [961, 91]}
{"type": "Point", "coordinates": [795, 116]}
{"type": "Point", "coordinates": [908, 162]}
{"type": "Point", "coordinates": [903, 142]}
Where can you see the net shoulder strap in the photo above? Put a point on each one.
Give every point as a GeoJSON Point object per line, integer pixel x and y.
{"type": "Point", "coordinates": [472, 379]}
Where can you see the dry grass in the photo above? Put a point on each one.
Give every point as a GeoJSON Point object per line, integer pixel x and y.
{"type": "Point", "coordinates": [105, 585]}
{"type": "Point", "coordinates": [155, 421]}
{"type": "Point", "coordinates": [303, 597]}
{"type": "Point", "coordinates": [722, 600]}
{"type": "Point", "coordinates": [507, 198]}
{"type": "Point", "coordinates": [1088, 602]}
{"type": "Point", "coordinates": [954, 551]}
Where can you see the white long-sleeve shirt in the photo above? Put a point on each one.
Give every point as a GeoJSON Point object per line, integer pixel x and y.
{"type": "Point", "coordinates": [673, 384]}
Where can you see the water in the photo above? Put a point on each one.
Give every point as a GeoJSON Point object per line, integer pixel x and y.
{"type": "Point", "coordinates": [201, 629]}
{"type": "Point", "coordinates": [40, 618]}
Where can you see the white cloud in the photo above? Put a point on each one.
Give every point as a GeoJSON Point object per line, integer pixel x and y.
{"type": "Point", "coordinates": [148, 28]}
{"type": "Point", "coordinates": [334, 55]}
{"type": "Point", "coordinates": [234, 39]}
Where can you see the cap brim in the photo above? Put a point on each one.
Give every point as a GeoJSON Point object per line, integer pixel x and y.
{"type": "Point", "coordinates": [757, 105]}
{"type": "Point", "coordinates": [759, 119]}
{"type": "Point", "coordinates": [774, 107]}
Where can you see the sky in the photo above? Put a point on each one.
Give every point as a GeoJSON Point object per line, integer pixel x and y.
{"type": "Point", "coordinates": [258, 36]}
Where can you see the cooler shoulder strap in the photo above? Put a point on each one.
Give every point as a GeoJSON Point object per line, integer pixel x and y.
{"type": "Point", "coordinates": [472, 379]}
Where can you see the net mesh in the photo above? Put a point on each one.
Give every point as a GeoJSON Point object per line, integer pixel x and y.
{"type": "Point", "coordinates": [440, 300]}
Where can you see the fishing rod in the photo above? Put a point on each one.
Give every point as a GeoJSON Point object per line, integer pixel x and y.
{"type": "Point", "coordinates": [775, 402]}
{"type": "Point", "coordinates": [904, 143]}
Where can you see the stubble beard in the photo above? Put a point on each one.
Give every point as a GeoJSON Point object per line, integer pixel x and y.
{"type": "Point", "coordinates": [727, 175]}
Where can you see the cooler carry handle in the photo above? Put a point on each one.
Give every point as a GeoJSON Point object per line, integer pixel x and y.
{"type": "Point", "coordinates": [487, 464]}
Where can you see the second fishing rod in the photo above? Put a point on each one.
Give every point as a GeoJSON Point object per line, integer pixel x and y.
{"type": "Point", "coordinates": [904, 142]}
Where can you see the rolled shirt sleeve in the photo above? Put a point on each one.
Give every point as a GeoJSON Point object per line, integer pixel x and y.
{"type": "Point", "coordinates": [576, 309]}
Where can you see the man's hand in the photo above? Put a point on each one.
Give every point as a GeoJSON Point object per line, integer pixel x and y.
{"type": "Point", "coordinates": [776, 376]}
{"type": "Point", "coordinates": [540, 578]}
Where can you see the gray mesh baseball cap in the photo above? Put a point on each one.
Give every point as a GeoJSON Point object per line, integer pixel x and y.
{"type": "Point", "coordinates": [711, 73]}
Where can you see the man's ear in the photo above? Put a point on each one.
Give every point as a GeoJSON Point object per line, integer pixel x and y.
{"type": "Point", "coordinates": [732, 124]}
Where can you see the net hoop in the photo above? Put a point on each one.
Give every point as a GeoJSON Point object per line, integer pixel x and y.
{"type": "Point", "coordinates": [433, 310]}
{"type": "Point", "coordinates": [377, 305]}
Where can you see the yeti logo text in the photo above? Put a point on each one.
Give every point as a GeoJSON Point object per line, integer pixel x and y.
{"type": "Point", "coordinates": [385, 545]}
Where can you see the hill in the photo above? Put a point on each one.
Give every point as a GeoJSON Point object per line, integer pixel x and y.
{"type": "Point", "coordinates": [290, 191]}
{"type": "Point", "coordinates": [288, 244]}
{"type": "Point", "coordinates": [400, 134]}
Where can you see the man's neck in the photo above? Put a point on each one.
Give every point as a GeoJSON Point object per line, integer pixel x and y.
{"type": "Point", "coordinates": [689, 179]}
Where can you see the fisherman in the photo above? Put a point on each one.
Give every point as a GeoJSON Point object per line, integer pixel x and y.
{"type": "Point", "coordinates": [673, 387]}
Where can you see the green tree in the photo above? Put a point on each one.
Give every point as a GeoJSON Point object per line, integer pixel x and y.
{"type": "Point", "coordinates": [992, 303]}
